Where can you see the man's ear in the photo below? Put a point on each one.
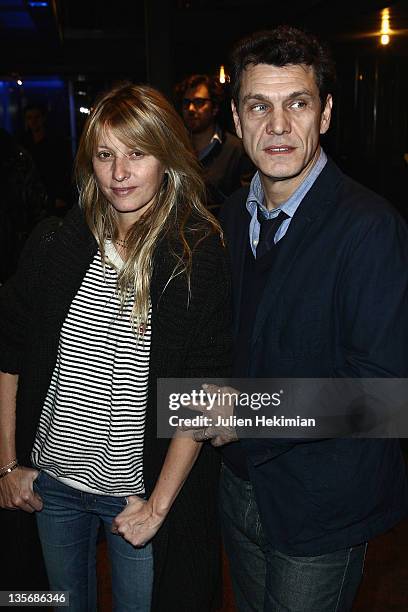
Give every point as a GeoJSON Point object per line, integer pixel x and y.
{"type": "Point", "coordinates": [326, 115]}
{"type": "Point", "coordinates": [237, 121]}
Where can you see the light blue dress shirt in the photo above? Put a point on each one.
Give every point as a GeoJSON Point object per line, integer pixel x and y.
{"type": "Point", "coordinates": [256, 199]}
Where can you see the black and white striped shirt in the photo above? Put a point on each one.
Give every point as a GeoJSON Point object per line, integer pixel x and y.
{"type": "Point", "coordinates": [91, 430]}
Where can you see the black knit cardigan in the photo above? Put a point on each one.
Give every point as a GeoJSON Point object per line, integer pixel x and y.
{"type": "Point", "coordinates": [190, 338]}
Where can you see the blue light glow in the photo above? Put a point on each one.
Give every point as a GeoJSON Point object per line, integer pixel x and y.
{"type": "Point", "coordinates": [16, 20]}
{"type": "Point", "coordinates": [46, 83]}
{"type": "Point", "coordinates": [32, 83]}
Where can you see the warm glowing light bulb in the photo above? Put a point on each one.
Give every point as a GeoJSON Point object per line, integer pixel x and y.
{"type": "Point", "coordinates": [222, 75]}
{"type": "Point", "coordinates": [385, 26]}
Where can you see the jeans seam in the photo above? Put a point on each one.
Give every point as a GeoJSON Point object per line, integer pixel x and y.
{"type": "Point", "coordinates": [248, 509]}
{"type": "Point", "coordinates": [364, 558]}
{"type": "Point", "coordinates": [343, 580]}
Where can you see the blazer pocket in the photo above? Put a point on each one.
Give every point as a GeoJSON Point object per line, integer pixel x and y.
{"type": "Point", "coordinates": [334, 480]}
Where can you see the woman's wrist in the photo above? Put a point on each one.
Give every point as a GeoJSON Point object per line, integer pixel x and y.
{"type": "Point", "coordinates": [160, 506]}
{"type": "Point", "coordinates": [9, 467]}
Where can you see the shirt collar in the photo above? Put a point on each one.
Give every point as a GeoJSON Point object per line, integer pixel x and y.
{"type": "Point", "coordinates": [256, 194]}
{"type": "Point", "coordinates": [217, 134]}
{"type": "Point", "coordinates": [215, 138]}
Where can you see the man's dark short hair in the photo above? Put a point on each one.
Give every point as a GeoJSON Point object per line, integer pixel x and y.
{"type": "Point", "coordinates": [279, 47]}
{"type": "Point", "coordinates": [36, 106]}
{"type": "Point", "coordinates": [214, 87]}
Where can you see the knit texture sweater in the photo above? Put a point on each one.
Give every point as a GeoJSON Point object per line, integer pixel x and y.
{"type": "Point", "coordinates": [190, 338]}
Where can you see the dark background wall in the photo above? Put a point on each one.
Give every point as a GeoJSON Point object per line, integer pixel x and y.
{"type": "Point", "coordinates": [65, 51]}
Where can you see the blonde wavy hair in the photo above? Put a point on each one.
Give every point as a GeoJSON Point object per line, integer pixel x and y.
{"type": "Point", "coordinates": [141, 118]}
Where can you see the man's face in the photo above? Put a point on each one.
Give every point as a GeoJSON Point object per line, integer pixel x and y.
{"type": "Point", "coordinates": [34, 119]}
{"type": "Point", "coordinates": [198, 110]}
{"type": "Point", "coordinates": [280, 120]}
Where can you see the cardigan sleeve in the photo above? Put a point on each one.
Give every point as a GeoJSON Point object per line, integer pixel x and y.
{"type": "Point", "coordinates": [209, 353]}
{"type": "Point", "coordinates": [17, 297]}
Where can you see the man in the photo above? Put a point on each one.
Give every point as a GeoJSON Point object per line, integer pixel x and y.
{"type": "Point", "coordinates": [22, 203]}
{"type": "Point", "coordinates": [320, 289]}
{"type": "Point", "coordinates": [51, 157]}
{"type": "Point", "coordinates": [221, 154]}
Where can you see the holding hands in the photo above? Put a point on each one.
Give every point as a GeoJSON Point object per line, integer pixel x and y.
{"type": "Point", "coordinates": [138, 522]}
{"type": "Point", "coordinates": [221, 431]}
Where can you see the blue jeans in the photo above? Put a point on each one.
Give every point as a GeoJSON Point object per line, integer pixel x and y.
{"type": "Point", "coordinates": [326, 583]}
{"type": "Point", "coordinates": [244, 541]}
{"type": "Point", "coordinates": [266, 579]}
{"type": "Point", "coordinates": [68, 526]}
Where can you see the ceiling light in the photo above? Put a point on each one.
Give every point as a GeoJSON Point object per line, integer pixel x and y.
{"type": "Point", "coordinates": [385, 27]}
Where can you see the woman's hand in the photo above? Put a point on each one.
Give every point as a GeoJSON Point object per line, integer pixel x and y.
{"type": "Point", "coordinates": [138, 522]}
{"type": "Point", "coordinates": [17, 493]}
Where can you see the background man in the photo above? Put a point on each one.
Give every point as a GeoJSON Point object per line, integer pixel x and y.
{"type": "Point", "coordinates": [221, 154]}
{"type": "Point", "coordinates": [320, 290]}
{"type": "Point", "coordinates": [22, 203]}
{"type": "Point", "coordinates": [51, 157]}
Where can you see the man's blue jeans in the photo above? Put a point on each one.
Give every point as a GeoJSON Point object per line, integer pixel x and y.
{"type": "Point", "coordinates": [68, 526]}
{"type": "Point", "coordinates": [265, 579]}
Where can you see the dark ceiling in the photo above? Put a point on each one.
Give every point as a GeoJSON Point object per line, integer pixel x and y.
{"type": "Point", "coordinates": [92, 37]}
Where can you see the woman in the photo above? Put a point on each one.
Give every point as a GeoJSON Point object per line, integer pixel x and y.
{"type": "Point", "coordinates": [130, 287]}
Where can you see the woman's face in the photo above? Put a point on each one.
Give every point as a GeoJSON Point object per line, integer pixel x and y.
{"type": "Point", "coordinates": [128, 178]}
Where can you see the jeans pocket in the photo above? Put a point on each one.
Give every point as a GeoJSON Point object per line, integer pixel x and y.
{"type": "Point", "coordinates": [37, 479]}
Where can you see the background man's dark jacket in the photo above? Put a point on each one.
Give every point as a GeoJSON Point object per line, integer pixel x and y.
{"type": "Point", "coordinates": [335, 305]}
{"type": "Point", "coordinates": [22, 203]}
{"type": "Point", "coordinates": [226, 169]}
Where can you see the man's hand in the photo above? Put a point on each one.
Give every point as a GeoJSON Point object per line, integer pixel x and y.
{"type": "Point", "coordinates": [221, 431]}
{"type": "Point", "coordinates": [137, 523]}
{"type": "Point", "coordinates": [16, 491]}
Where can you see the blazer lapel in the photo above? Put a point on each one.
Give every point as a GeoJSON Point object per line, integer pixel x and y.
{"type": "Point", "coordinates": [240, 240]}
{"type": "Point", "coordinates": [313, 205]}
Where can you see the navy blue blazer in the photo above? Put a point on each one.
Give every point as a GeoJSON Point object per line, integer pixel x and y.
{"type": "Point", "coordinates": [335, 305]}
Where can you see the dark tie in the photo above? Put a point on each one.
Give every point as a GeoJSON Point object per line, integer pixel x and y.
{"type": "Point", "coordinates": [269, 227]}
